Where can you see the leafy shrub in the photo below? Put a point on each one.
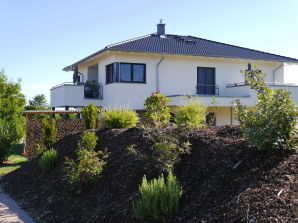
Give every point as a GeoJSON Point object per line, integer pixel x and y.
{"type": "Point", "coordinates": [12, 122]}
{"type": "Point", "coordinates": [191, 115]}
{"type": "Point", "coordinates": [88, 141]}
{"type": "Point", "coordinates": [119, 118]}
{"type": "Point", "coordinates": [167, 147]}
{"type": "Point", "coordinates": [49, 133]}
{"type": "Point", "coordinates": [159, 199]}
{"type": "Point", "coordinates": [90, 116]}
{"type": "Point", "coordinates": [272, 124]}
{"type": "Point", "coordinates": [156, 110]}
{"type": "Point", "coordinates": [8, 133]}
{"type": "Point", "coordinates": [48, 160]}
{"type": "Point", "coordinates": [40, 149]}
{"type": "Point", "coordinates": [88, 166]}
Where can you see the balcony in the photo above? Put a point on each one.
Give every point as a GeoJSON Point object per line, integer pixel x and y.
{"type": "Point", "coordinates": [76, 95]}
{"type": "Point", "coordinates": [211, 95]}
{"type": "Point", "coordinates": [203, 89]}
{"type": "Point", "coordinates": [244, 90]}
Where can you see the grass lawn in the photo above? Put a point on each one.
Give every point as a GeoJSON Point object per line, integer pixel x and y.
{"type": "Point", "coordinates": [14, 161]}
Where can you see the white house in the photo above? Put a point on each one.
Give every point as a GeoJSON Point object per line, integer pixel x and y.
{"type": "Point", "coordinates": [124, 74]}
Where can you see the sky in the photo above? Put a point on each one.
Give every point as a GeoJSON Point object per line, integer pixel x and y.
{"type": "Point", "coordinates": [38, 38]}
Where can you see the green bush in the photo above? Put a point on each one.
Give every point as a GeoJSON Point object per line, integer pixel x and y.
{"type": "Point", "coordinates": [191, 115]}
{"type": "Point", "coordinates": [49, 132]}
{"type": "Point", "coordinates": [272, 123]}
{"type": "Point", "coordinates": [159, 199]}
{"type": "Point", "coordinates": [167, 147]}
{"type": "Point", "coordinates": [88, 141]}
{"type": "Point", "coordinates": [12, 122]}
{"type": "Point", "coordinates": [7, 139]}
{"type": "Point", "coordinates": [156, 110]}
{"type": "Point", "coordinates": [40, 149]}
{"type": "Point", "coordinates": [119, 118]}
{"type": "Point", "coordinates": [88, 166]}
{"type": "Point", "coordinates": [90, 116]}
{"type": "Point", "coordinates": [48, 160]}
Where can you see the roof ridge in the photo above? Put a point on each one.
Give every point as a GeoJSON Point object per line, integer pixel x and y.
{"type": "Point", "coordinates": [227, 44]}
{"type": "Point", "coordinates": [127, 41]}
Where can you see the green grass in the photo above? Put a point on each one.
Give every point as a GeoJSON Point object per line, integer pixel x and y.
{"type": "Point", "coordinates": [15, 161]}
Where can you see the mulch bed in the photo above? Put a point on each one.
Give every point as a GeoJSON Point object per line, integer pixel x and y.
{"type": "Point", "coordinates": [224, 180]}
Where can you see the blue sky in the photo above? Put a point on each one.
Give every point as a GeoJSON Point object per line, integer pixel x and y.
{"type": "Point", "coordinates": [40, 37]}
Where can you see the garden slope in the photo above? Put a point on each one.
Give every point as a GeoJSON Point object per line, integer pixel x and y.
{"type": "Point", "coordinates": [223, 181]}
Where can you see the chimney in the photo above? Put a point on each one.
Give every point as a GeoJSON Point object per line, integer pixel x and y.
{"type": "Point", "coordinates": [161, 28]}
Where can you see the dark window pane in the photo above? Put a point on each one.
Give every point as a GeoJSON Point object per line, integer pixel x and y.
{"type": "Point", "coordinates": [206, 80]}
{"type": "Point", "coordinates": [138, 73]}
{"type": "Point", "coordinates": [109, 73]}
{"type": "Point", "coordinates": [125, 72]}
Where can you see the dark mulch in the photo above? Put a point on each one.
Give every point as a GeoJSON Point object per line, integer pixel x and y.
{"type": "Point", "coordinates": [224, 180]}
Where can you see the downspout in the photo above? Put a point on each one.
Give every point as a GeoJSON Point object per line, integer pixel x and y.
{"type": "Point", "coordinates": [274, 72]}
{"type": "Point", "coordinates": [157, 72]}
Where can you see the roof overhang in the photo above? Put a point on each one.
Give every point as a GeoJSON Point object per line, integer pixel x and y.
{"type": "Point", "coordinates": [109, 50]}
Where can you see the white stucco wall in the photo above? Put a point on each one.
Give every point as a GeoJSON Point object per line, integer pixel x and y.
{"type": "Point", "coordinates": [291, 73]}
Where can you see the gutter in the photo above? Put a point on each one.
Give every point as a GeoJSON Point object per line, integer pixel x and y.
{"type": "Point", "coordinates": [274, 72]}
{"type": "Point", "coordinates": [157, 72]}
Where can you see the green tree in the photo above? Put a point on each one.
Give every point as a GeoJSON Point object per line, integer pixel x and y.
{"type": "Point", "coordinates": [12, 103]}
{"type": "Point", "coordinates": [272, 124]}
{"type": "Point", "coordinates": [38, 102]}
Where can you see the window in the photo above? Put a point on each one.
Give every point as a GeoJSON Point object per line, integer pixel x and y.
{"type": "Point", "coordinates": [206, 81]}
{"type": "Point", "coordinates": [126, 72]}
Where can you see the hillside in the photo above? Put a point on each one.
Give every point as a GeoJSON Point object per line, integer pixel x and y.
{"type": "Point", "coordinates": [223, 179]}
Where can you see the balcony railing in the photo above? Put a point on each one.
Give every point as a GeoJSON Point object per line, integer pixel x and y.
{"type": "Point", "coordinates": [204, 89]}
{"type": "Point", "coordinates": [93, 91]}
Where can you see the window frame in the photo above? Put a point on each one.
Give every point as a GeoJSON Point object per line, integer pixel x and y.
{"type": "Point", "coordinates": [116, 73]}
{"type": "Point", "coordinates": [132, 72]}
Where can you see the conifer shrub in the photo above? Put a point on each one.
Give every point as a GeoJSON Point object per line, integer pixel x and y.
{"type": "Point", "coordinates": [49, 132]}
{"type": "Point", "coordinates": [192, 115]}
{"type": "Point", "coordinates": [159, 198]}
{"type": "Point", "coordinates": [272, 124]}
{"type": "Point", "coordinates": [156, 110]}
{"type": "Point", "coordinates": [90, 116]}
{"type": "Point", "coordinates": [119, 118]}
{"type": "Point", "coordinates": [88, 166]}
{"type": "Point", "coordinates": [48, 160]}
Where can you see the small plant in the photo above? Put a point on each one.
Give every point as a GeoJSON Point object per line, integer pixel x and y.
{"type": "Point", "coordinates": [49, 133]}
{"type": "Point", "coordinates": [90, 116]}
{"type": "Point", "coordinates": [131, 149]}
{"type": "Point", "coordinates": [119, 118]}
{"type": "Point", "coordinates": [40, 149]}
{"type": "Point", "coordinates": [48, 160]}
{"type": "Point", "coordinates": [272, 124]}
{"type": "Point", "coordinates": [156, 110]}
{"type": "Point", "coordinates": [88, 166]}
{"type": "Point", "coordinates": [191, 115]}
{"type": "Point", "coordinates": [166, 148]}
{"type": "Point", "coordinates": [159, 198]}
{"type": "Point", "coordinates": [88, 141]}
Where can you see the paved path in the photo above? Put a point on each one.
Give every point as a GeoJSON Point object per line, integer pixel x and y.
{"type": "Point", "coordinates": [10, 212]}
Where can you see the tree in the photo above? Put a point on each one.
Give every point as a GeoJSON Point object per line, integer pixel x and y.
{"type": "Point", "coordinates": [38, 102]}
{"type": "Point", "coordinates": [272, 124]}
{"type": "Point", "coordinates": [12, 103]}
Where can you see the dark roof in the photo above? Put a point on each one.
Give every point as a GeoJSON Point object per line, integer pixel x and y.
{"type": "Point", "coordinates": [190, 45]}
